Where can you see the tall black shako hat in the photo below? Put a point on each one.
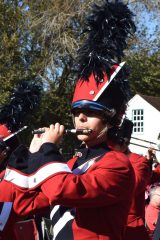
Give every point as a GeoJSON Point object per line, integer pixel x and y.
{"type": "Point", "coordinates": [103, 84]}
{"type": "Point", "coordinates": [24, 100]}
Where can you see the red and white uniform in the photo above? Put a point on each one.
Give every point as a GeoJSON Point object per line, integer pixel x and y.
{"type": "Point", "coordinates": [136, 227]}
{"type": "Point", "coordinates": [13, 210]}
{"type": "Point", "coordinates": [101, 195]}
{"type": "Point", "coordinates": [7, 216]}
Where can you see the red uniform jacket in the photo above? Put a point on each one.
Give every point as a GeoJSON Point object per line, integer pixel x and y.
{"type": "Point", "coordinates": [7, 216]}
{"type": "Point", "coordinates": [135, 226]}
{"type": "Point", "coordinates": [101, 195]}
{"type": "Point", "coordinates": [14, 208]}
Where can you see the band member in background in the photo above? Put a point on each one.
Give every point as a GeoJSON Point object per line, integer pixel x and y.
{"type": "Point", "coordinates": [7, 216]}
{"type": "Point", "coordinates": [153, 210]}
{"type": "Point", "coordinates": [13, 224]}
{"type": "Point", "coordinates": [119, 139]}
{"type": "Point", "coordinates": [97, 184]}
{"type": "Point", "coordinates": [23, 100]}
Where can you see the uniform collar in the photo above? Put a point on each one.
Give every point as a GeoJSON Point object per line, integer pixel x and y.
{"type": "Point", "coordinates": [84, 154]}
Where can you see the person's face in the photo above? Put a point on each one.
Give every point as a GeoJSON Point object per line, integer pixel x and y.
{"type": "Point", "coordinates": [89, 119]}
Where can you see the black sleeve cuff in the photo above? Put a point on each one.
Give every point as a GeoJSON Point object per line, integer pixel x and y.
{"type": "Point", "coordinates": [48, 153]}
{"type": "Point", "coordinates": [49, 148]}
{"type": "Point", "coordinates": [28, 163]}
{"type": "Point", "coordinates": [19, 159]}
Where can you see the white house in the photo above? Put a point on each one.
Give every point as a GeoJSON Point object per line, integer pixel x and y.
{"type": "Point", "coordinates": [144, 111]}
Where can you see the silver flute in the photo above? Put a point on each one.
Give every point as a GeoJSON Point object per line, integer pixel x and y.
{"type": "Point", "coordinates": [74, 131]}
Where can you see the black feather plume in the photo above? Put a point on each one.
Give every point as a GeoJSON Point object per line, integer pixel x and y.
{"type": "Point", "coordinates": [108, 28]}
{"type": "Point", "coordinates": [23, 100]}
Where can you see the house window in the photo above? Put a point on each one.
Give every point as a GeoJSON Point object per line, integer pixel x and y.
{"type": "Point", "coordinates": [138, 120]}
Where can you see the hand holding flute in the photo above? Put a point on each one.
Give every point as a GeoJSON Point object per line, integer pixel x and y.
{"type": "Point", "coordinates": [52, 134]}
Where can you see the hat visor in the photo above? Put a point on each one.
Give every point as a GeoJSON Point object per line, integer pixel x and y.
{"type": "Point", "coordinates": [92, 105]}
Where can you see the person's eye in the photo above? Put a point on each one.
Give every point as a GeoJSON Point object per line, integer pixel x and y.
{"type": "Point", "coordinates": [91, 114]}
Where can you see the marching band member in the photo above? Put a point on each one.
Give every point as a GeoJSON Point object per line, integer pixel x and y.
{"type": "Point", "coordinates": [152, 211]}
{"type": "Point", "coordinates": [24, 99]}
{"type": "Point", "coordinates": [120, 140]}
{"type": "Point", "coordinates": [97, 184]}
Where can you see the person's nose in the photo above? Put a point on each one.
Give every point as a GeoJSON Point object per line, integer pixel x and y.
{"type": "Point", "coordinates": [82, 117]}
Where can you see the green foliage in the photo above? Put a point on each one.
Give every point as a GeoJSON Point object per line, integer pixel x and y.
{"type": "Point", "coordinates": [19, 53]}
{"type": "Point", "coordinates": [145, 73]}
{"type": "Point", "coordinates": [10, 56]}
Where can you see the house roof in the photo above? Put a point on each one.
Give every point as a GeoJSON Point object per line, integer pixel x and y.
{"type": "Point", "coordinates": [154, 101]}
